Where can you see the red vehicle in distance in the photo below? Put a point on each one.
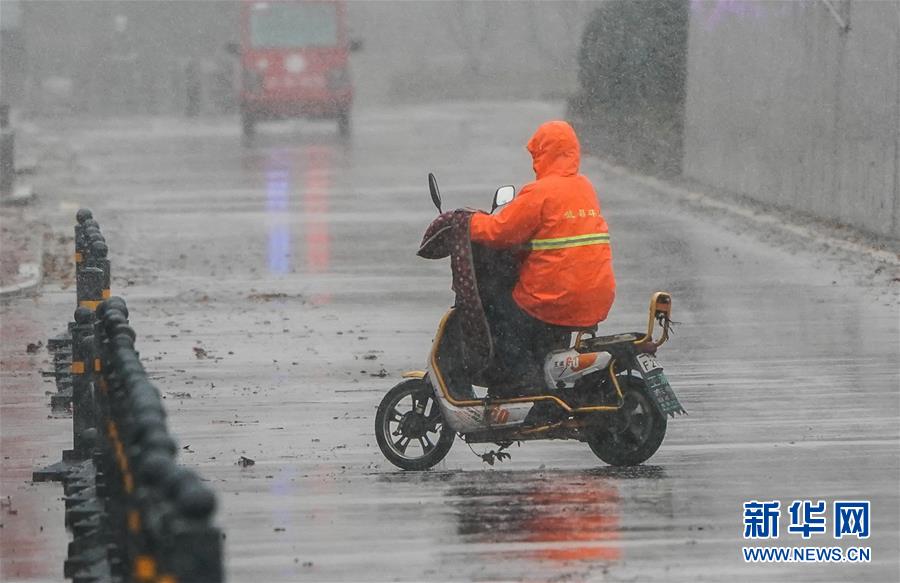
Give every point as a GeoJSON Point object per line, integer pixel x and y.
{"type": "Point", "coordinates": [294, 57]}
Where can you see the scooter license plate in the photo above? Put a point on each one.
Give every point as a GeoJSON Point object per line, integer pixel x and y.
{"type": "Point", "coordinates": [662, 393]}
{"type": "Point", "coordinates": [658, 385]}
{"type": "Point", "coordinates": [648, 363]}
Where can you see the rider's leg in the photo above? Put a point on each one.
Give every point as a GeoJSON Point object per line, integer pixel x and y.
{"type": "Point", "coordinates": [511, 350]}
{"type": "Point", "coordinates": [522, 343]}
{"type": "Point", "coordinates": [542, 338]}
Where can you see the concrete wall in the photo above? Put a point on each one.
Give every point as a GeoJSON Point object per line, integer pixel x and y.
{"type": "Point", "coordinates": [786, 108]}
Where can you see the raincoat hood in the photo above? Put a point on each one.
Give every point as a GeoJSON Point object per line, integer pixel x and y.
{"type": "Point", "coordinates": [554, 150]}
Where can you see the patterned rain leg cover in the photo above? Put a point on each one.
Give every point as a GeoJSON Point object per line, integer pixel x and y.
{"type": "Point", "coordinates": [449, 235]}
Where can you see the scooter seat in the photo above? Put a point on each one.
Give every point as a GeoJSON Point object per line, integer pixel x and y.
{"type": "Point", "coordinates": [599, 343]}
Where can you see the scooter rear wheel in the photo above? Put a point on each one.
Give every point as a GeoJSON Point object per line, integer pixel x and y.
{"type": "Point", "coordinates": [410, 428]}
{"type": "Point", "coordinates": [632, 434]}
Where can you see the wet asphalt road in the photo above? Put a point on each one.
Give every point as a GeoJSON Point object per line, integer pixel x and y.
{"type": "Point", "coordinates": [291, 264]}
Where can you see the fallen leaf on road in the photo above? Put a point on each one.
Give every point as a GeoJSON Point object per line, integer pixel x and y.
{"type": "Point", "coordinates": [200, 353]}
{"type": "Point", "coordinates": [32, 347]}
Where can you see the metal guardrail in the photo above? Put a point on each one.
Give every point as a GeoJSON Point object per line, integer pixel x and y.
{"type": "Point", "coordinates": [135, 515]}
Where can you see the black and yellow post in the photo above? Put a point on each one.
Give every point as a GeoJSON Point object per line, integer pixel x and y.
{"type": "Point", "coordinates": [134, 513]}
{"type": "Point", "coordinates": [91, 279]}
{"type": "Point", "coordinates": [98, 258]}
{"type": "Point", "coordinates": [196, 546]}
{"type": "Point", "coordinates": [90, 232]}
{"type": "Point", "coordinates": [89, 287]}
{"type": "Point", "coordinates": [125, 371]}
{"type": "Point", "coordinates": [80, 217]}
{"type": "Point", "coordinates": [82, 386]}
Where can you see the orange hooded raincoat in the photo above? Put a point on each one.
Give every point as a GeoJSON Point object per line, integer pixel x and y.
{"type": "Point", "coordinates": [566, 277]}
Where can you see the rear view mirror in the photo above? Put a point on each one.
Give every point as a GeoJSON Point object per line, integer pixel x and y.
{"type": "Point", "coordinates": [435, 193]}
{"type": "Point", "coordinates": [504, 195]}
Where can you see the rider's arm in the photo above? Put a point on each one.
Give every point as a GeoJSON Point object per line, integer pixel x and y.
{"type": "Point", "coordinates": [514, 225]}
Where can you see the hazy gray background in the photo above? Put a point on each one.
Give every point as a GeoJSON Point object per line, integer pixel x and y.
{"type": "Point", "coordinates": [792, 103]}
{"type": "Point", "coordinates": [412, 50]}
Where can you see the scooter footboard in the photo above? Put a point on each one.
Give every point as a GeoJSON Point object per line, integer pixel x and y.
{"type": "Point", "coordinates": [463, 411]}
{"type": "Point", "coordinates": [472, 418]}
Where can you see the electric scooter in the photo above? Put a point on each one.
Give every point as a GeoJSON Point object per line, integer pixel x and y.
{"type": "Point", "coordinates": [607, 391]}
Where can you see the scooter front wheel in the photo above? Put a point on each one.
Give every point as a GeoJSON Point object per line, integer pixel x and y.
{"type": "Point", "coordinates": [410, 428]}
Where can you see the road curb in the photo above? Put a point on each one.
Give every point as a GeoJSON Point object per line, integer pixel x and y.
{"type": "Point", "coordinates": [22, 194]}
{"type": "Point", "coordinates": [30, 275]}
{"type": "Point", "coordinates": [809, 228]}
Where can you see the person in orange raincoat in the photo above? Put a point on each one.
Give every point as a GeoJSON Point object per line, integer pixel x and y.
{"type": "Point", "coordinates": [566, 279]}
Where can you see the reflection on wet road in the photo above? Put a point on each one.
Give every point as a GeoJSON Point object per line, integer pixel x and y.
{"type": "Point", "coordinates": [303, 175]}
{"type": "Point", "coordinates": [316, 178]}
{"type": "Point", "coordinates": [560, 516]}
{"type": "Point", "coordinates": [278, 196]}
{"type": "Point", "coordinates": [292, 263]}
